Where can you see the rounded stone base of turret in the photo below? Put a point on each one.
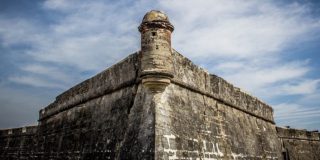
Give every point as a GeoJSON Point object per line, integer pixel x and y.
{"type": "Point", "coordinates": [156, 84]}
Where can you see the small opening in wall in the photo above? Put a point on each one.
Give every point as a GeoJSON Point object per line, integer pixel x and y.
{"type": "Point", "coordinates": [154, 33]}
{"type": "Point", "coordinates": [285, 155]}
{"type": "Point", "coordinates": [157, 47]}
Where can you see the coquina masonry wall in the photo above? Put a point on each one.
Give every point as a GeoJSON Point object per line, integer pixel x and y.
{"type": "Point", "coordinates": [201, 116]}
{"type": "Point", "coordinates": [164, 108]}
{"type": "Point", "coordinates": [106, 117]}
{"type": "Point", "coordinates": [113, 116]}
{"type": "Point", "coordinates": [18, 143]}
{"type": "Point", "coordinates": [299, 144]}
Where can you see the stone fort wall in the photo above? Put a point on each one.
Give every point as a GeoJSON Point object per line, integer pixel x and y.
{"type": "Point", "coordinates": [113, 116]}
{"type": "Point", "coordinates": [202, 116]}
{"type": "Point", "coordinates": [97, 119]}
{"type": "Point", "coordinates": [154, 106]}
{"type": "Point", "coordinates": [18, 143]}
{"type": "Point", "coordinates": [299, 144]}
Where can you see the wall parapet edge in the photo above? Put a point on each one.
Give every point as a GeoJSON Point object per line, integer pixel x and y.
{"type": "Point", "coordinates": [192, 76]}
{"type": "Point", "coordinates": [297, 134]}
{"type": "Point", "coordinates": [238, 97]}
{"type": "Point", "coordinates": [217, 97]}
{"type": "Point", "coordinates": [103, 83]}
{"type": "Point", "coordinates": [21, 131]}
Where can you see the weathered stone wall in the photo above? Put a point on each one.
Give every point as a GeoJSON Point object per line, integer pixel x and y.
{"type": "Point", "coordinates": [119, 125]}
{"type": "Point", "coordinates": [109, 116]}
{"type": "Point", "coordinates": [91, 130]}
{"type": "Point", "coordinates": [103, 83]}
{"type": "Point", "coordinates": [299, 144]}
{"type": "Point", "coordinates": [156, 104]}
{"type": "Point", "coordinates": [18, 143]}
{"type": "Point", "coordinates": [200, 116]}
{"type": "Point", "coordinates": [100, 118]}
{"type": "Point", "coordinates": [199, 80]}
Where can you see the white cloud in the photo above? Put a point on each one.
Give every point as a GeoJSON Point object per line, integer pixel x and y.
{"type": "Point", "coordinates": [58, 4]}
{"type": "Point", "coordinates": [310, 99]}
{"type": "Point", "coordinates": [51, 72]}
{"type": "Point", "coordinates": [246, 40]}
{"type": "Point", "coordinates": [14, 31]}
{"type": "Point", "coordinates": [296, 115]}
{"type": "Point", "coordinates": [273, 80]}
{"type": "Point", "coordinates": [20, 107]}
{"type": "Point", "coordinates": [243, 29]}
{"type": "Point", "coordinates": [300, 88]}
{"type": "Point", "coordinates": [89, 39]}
{"type": "Point", "coordinates": [260, 79]}
{"type": "Point", "coordinates": [98, 33]}
{"type": "Point", "coordinates": [89, 36]}
{"type": "Point", "coordinates": [36, 82]}
{"type": "Point", "coordinates": [293, 111]}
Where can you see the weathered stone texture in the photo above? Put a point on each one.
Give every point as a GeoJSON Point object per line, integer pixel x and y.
{"type": "Point", "coordinates": [195, 119]}
{"type": "Point", "coordinates": [299, 144]}
{"type": "Point", "coordinates": [156, 104]}
{"type": "Point", "coordinates": [197, 79]}
{"type": "Point", "coordinates": [103, 83]}
{"type": "Point", "coordinates": [156, 57]}
{"type": "Point", "coordinates": [92, 130]}
{"type": "Point", "coordinates": [106, 117]}
{"type": "Point", "coordinates": [18, 143]}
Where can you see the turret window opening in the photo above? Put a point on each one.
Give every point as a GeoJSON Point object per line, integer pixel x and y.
{"type": "Point", "coordinates": [154, 33]}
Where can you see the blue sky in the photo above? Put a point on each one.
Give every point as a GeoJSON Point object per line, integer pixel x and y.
{"type": "Point", "coordinates": [270, 49]}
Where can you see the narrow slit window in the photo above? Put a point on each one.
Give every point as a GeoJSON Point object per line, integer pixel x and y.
{"type": "Point", "coordinates": [154, 33]}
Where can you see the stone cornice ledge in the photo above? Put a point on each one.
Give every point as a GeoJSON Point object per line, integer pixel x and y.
{"type": "Point", "coordinates": [84, 97]}
{"type": "Point", "coordinates": [218, 98]}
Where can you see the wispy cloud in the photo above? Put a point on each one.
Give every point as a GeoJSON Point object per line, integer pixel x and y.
{"type": "Point", "coordinates": [87, 37]}
{"type": "Point", "coordinates": [238, 29]}
{"type": "Point", "coordinates": [242, 41]}
{"type": "Point", "coordinates": [260, 78]}
{"type": "Point", "coordinates": [20, 107]}
{"type": "Point", "coordinates": [294, 111]}
{"type": "Point", "coordinates": [35, 82]}
{"type": "Point", "coordinates": [297, 115]}
{"type": "Point", "coordinates": [17, 31]}
{"type": "Point", "coordinates": [303, 87]}
{"type": "Point", "coordinates": [51, 72]}
{"type": "Point", "coordinates": [246, 42]}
